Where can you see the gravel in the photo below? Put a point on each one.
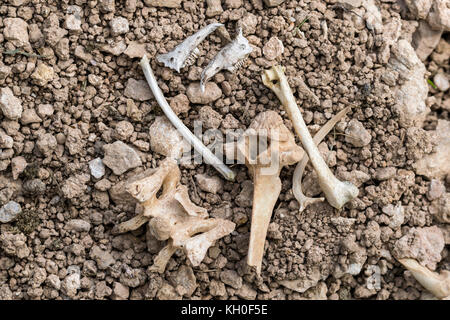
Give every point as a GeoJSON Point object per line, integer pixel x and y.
{"type": "Point", "coordinates": [77, 120]}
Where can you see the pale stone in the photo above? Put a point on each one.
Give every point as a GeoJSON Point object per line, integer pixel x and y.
{"type": "Point", "coordinates": [165, 138]}
{"type": "Point", "coordinates": [180, 104]}
{"type": "Point", "coordinates": [114, 49]}
{"type": "Point", "coordinates": [18, 165]}
{"type": "Point", "coordinates": [103, 258]}
{"type": "Point", "coordinates": [120, 158]}
{"type": "Point", "coordinates": [119, 25]}
{"type": "Point", "coordinates": [78, 225]}
{"type": "Point", "coordinates": [441, 81]}
{"type": "Point", "coordinates": [214, 8]}
{"type": "Point", "coordinates": [138, 90]}
{"type": "Point", "coordinates": [425, 40]}
{"type": "Point", "coordinates": [73, 23]}
{"type": "Point", "coordinates": [422, 244]}
{"type": "Point", "coordinates": [437, 164]}
{"type": "Point", "coordinates": [29, 116]}
{"type": "Point", "coordinates": [45, 110]}
{"type": "Point", "coordinates": [211, 94]}
{"type": "Point", "coordinates": [43, 74]}
{"type": "Point", "coordinates": [10, 105]}
{"type": "Point", "coordinates": [439, 16]}
{"type": "Point", "coordinates": [163, 3]}
{"type": "Point", "coordinates": [135, 50]}
{"type": "Point", "coordinates": [16, 30]}
{"type": "Point", "coordinates": [356, 134]}
{"type": "Point", "coordinates": [9, 212]}
{"type": "Point", "coordinates": [273, 48]}
{"type": "Point", "coordinates": [97, 168]}
{"type": "Point", "coordinates": [420, 8]}
{"type": "Point", "coordinates": [209, 184]}
{"type": "Point", "coordinates": [273, 3]}
{"type": "Point", "coordinates": [410, 96]}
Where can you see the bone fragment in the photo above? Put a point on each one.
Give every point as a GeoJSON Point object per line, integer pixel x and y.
{"type": "Point", "coordinates": [437, 284]}
{"type": "Point", "coordinates": [177, 58]}
{"type": "Point", "coordinates": [228, 58]}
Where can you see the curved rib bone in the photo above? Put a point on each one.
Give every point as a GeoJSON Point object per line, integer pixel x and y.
{"type": "Point", "coordinates": [302, 199]}
{"type": "Point", "coordinates": [228, 58]}
{"type": "Point", "coordinates": [265, 167]}
{"type": "Point", "coordinates": [337, 192]}
{"type": "Point", "coordinates": [209, 157]}
{"type": "Point", "coordinates": [437, 284]}
{"type": "Point", "coordinates": [176, 59]}
{"type": "Point", "coordinates": [173, 217]}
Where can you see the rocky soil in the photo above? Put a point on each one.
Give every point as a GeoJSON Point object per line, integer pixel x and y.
{"type": "Point", "coordinates": [77, 118]}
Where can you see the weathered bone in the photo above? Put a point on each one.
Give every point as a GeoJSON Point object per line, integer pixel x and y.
{"type": "Point", "coordinates": [229, 58]}
{"type": "Point", "coordinates": [265, 168]}
{"type": "Point", "coordinates": [437, 284]}
{"type": "Point", "coordinates": [177, 58]}
{"type": "Point", "coordinates": [338, 193]}
{"type": "Point", "coordinates": [207, 155]}
{"type": "Point", "coordinates": [302, 199]}
{"type": "Point", "coordinates": [173, 217]}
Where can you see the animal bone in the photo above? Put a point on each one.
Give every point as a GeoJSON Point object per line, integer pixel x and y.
{"type": "Point", "coordinates": [176, 59]}
{"type": "Point", "coordinates": [437, 284]}
{"type": "Point", "coordinates": [265, 168]}
{"type": "Point", "coordinates": [229, 58]}
{"type": "Point", "coordinates": [209, 157]}
{"type": "Point", "coordinates": [337, 192]}
{"type": "Point", "coordinates": [303, 200]}
{"type": "Point", "coordinates": [173, 217]}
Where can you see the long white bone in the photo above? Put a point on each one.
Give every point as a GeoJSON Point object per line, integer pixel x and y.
{"type": "Point", "coordinates": [302, 199]}
{"type": "Point", "coordinates": [209, 157]}
{"type": "Point", "coordinates": [176, 59]}
{"type": "Point", "coordinates": [337, 192]}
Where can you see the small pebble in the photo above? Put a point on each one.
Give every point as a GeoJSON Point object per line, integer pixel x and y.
{"type": "Point", "coordinates": [97, 168]}
{"type": "Point", "coordinates": [9, 211]}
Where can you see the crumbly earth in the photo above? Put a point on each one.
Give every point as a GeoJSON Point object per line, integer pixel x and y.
{"type": "Point", "coordinates": [71, 87]}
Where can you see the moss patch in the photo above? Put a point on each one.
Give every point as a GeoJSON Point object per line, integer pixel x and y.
{"type": "Point", "coordinates": [27, 221]}
{"type": "Point", "coordinates": [31, 171]}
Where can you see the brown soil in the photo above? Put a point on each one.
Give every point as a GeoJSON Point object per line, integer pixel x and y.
{"type": "Point", "coordinates": [80, 91]}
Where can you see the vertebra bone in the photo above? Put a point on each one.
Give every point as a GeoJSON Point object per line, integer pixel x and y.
{"type": "Point", "coordinates": [265, 167]}
{"type": "Point", "coordinates": [173, 217]}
